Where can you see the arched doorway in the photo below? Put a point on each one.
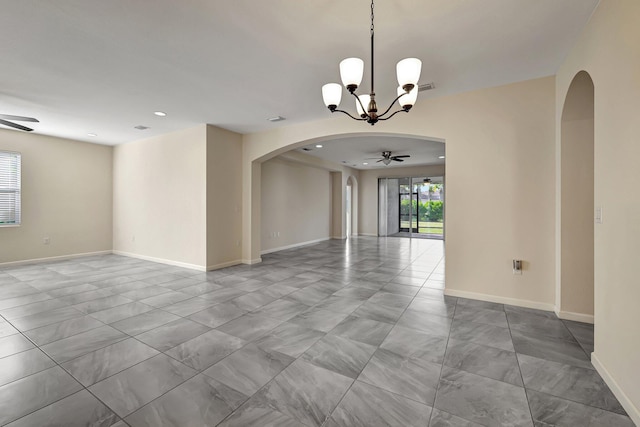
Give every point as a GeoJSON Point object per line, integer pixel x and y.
{"type": "Point", "coordinates": [258, 150]}
{"type": "Point", "coordinates": [352, 207]}
{"type": "Point", "coordinates": [576, 202]}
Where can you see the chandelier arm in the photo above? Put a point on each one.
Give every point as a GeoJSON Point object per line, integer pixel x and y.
{"type": "Point", "coordinates": [390, 106]}
{"type": "Point", "coordinates": [396, 112]}
{"type": "Point", "coordinates": [365, 110]}
{"type": "Point", "coordinates": [354, 118]}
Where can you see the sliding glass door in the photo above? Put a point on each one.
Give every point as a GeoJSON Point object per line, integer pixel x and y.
{"type": "Point", "coordinates": [411, 207]}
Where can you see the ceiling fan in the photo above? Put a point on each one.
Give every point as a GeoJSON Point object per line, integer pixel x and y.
{"type": "Point", "coordinates": [4, 120]}
{"type": "Point", "coordinates": [387, 158]}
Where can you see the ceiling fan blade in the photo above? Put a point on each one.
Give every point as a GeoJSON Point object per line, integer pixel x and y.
{"type": "Point", "coordinates": [15, 125]}
{"type": "Point", "coordinates": [372, 158]}
{"type": "Point", "coordinates": [397, 160]}
{"type": "Point", "coordinates": [399, 157]}
{"type": "Point", "coordinates": [19, 118]}
{"type": "Point", "coordinates": [379, 160]}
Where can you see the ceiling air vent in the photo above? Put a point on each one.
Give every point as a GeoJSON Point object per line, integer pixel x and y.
{"type": "Point", "coordinates": [276, 119]}
{"type": "Point", "coordinates": [307, 149]}
{"type": "Point", "coordinates": [426, 86]}
{"type": "Point", "coordinates": [140, 127]}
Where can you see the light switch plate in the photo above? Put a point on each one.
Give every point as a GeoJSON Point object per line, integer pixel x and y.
{"type": "Point", "coordinates": [598, 215]}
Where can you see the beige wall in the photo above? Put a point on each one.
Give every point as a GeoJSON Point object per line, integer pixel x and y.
{"type": "Point", "coordinates": [368, 219]}
{"type": "Point", "coordinates": [66, 196]}
{"type": "Point", "coordinates": [500, 170]}
{"type": "Point", "coordinates": [224, 197]}
{"type": "Point", "coordinates": [159, 198]}
{"type": "Point", "coordinates": [296, 204]}
{"type": "Point", "coordinates": [608, 51]}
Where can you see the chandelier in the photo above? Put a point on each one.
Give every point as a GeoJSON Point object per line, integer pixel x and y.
{"type": "Point", "coordinates": [351, 71]}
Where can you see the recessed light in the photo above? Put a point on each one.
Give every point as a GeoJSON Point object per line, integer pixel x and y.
{"type": "Point", "coordinates": [318, 145]}
{"type": "Point", "coordinates": [365, 163]}
{"type": "Point", "coordinates": [160, 113]}
{"type": "Point", "coordinates": [441, 157]}
{"type": "Point", "coordinates": [92, 134]}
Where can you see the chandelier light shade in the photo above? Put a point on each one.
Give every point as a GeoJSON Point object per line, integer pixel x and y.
{"type": "Point", "coordinates": [332, 94]}
{"type": "Point", "coordinates": [406, 100]}
{"type": "Point", "coordinates": [351, 73]}
{"type": "Point", "coordinates": [360, 102]}
{"type": "Point", "coordinates": [408, 71]}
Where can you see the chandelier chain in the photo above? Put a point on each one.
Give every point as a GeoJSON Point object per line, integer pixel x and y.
{"type": "Point", "coordinates": [372, 17]}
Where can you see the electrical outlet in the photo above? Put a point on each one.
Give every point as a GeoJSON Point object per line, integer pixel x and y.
{"type": "Point", "coordinates": [517, 267]}
{"type": "Point", "coordinates": [46, 240]}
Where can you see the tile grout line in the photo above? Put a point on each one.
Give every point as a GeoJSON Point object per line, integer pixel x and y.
{"type": "Point", "coordinates": [62, 398]}
{"type": "Point", "coordinates": [413, 298]}
{"type": "Point", "coordinates": [444, 356]}
{"type": "Point", "coordinates": [524, 385]}
{"type": "Point", "coordinates": [377, 348]}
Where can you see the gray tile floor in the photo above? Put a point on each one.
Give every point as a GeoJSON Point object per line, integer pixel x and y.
{"type": "Point", "coordinates": [353, 333]}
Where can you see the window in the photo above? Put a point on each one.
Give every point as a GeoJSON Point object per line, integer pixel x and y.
{"type": "Point", "coordinates": [9, 188]}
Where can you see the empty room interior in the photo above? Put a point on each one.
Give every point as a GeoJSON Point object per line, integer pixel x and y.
{"type": "Point", "coordinates": [338, 213]}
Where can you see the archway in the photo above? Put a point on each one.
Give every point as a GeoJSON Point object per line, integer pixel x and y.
{"type": "Point", "coordinates": [352, 207]}
{"type": "Point", "coordinates": [255, 154]}
{"type": "Point", "coordinates": [576, 202]}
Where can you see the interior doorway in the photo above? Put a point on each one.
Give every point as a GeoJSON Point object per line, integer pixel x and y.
{"type": "Point", "coordinates": [411, 207]}
{"type": "Point", "coordinates": [348, 209]}
{"type": "Point", "coordinates": [577, 208]}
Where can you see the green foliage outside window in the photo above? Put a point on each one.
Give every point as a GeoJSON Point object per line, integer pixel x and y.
{"type": "Point", "coordinates": [429, 211]}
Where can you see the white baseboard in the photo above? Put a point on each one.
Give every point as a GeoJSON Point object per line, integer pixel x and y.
{"type": "Point", "coordinates": [500, 300]}
{"type": "Point", "coordinates": [251, 261]}
{"type": "Point", "coordinates": [297, 245]}
{"type": "Point", "coordinates": [162, 261]}
{"type": "Point", "coordinates": [54, 258]}
{"type": "Point", "coordinates": [223, 265]}
{"type": "Point", "coordinates": [627, 404]}
{"type": "Point", "coordinates": [367, 234]}
{"type": "Point", "coordinates": [576, 317]}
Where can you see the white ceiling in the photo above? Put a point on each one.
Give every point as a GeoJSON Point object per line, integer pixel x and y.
{"type": "Point", "coordinates": [96, 66]}
{"type": "Point", "coordinates": [355, 151]}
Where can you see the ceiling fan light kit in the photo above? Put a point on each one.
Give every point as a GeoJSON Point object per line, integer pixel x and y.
{"type": "Point", "coordinates": [351, 72]}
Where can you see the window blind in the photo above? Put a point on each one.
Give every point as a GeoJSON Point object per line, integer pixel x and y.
{"type": "Point", "coordinates": [9, 188]}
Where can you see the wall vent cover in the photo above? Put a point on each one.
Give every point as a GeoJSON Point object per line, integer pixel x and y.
{"type": "Point", "coordinates": [426, 86]}
{"type": "Point", "coordinates": [140, 127]}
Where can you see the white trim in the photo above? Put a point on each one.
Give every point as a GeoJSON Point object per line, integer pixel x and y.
{"type": "Point", "coordinates": [576, 317]}
{"type": "Point", "coordinates": [54, 258]}
{"type": "Point", "coordinates": [223, 265]}
{"type": "Point", "coordinates": [252, 261]}
{"type": "Point", "coordinates": [500, 300]}
{"type": "Point", "coordinates": [367, 234]}
{"type": "Point", "coordinates": [297, 245]}
{"type": "Point", "coordinates": [162, 261]}
{"type": "Point", "coordinates": [625, 401]}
